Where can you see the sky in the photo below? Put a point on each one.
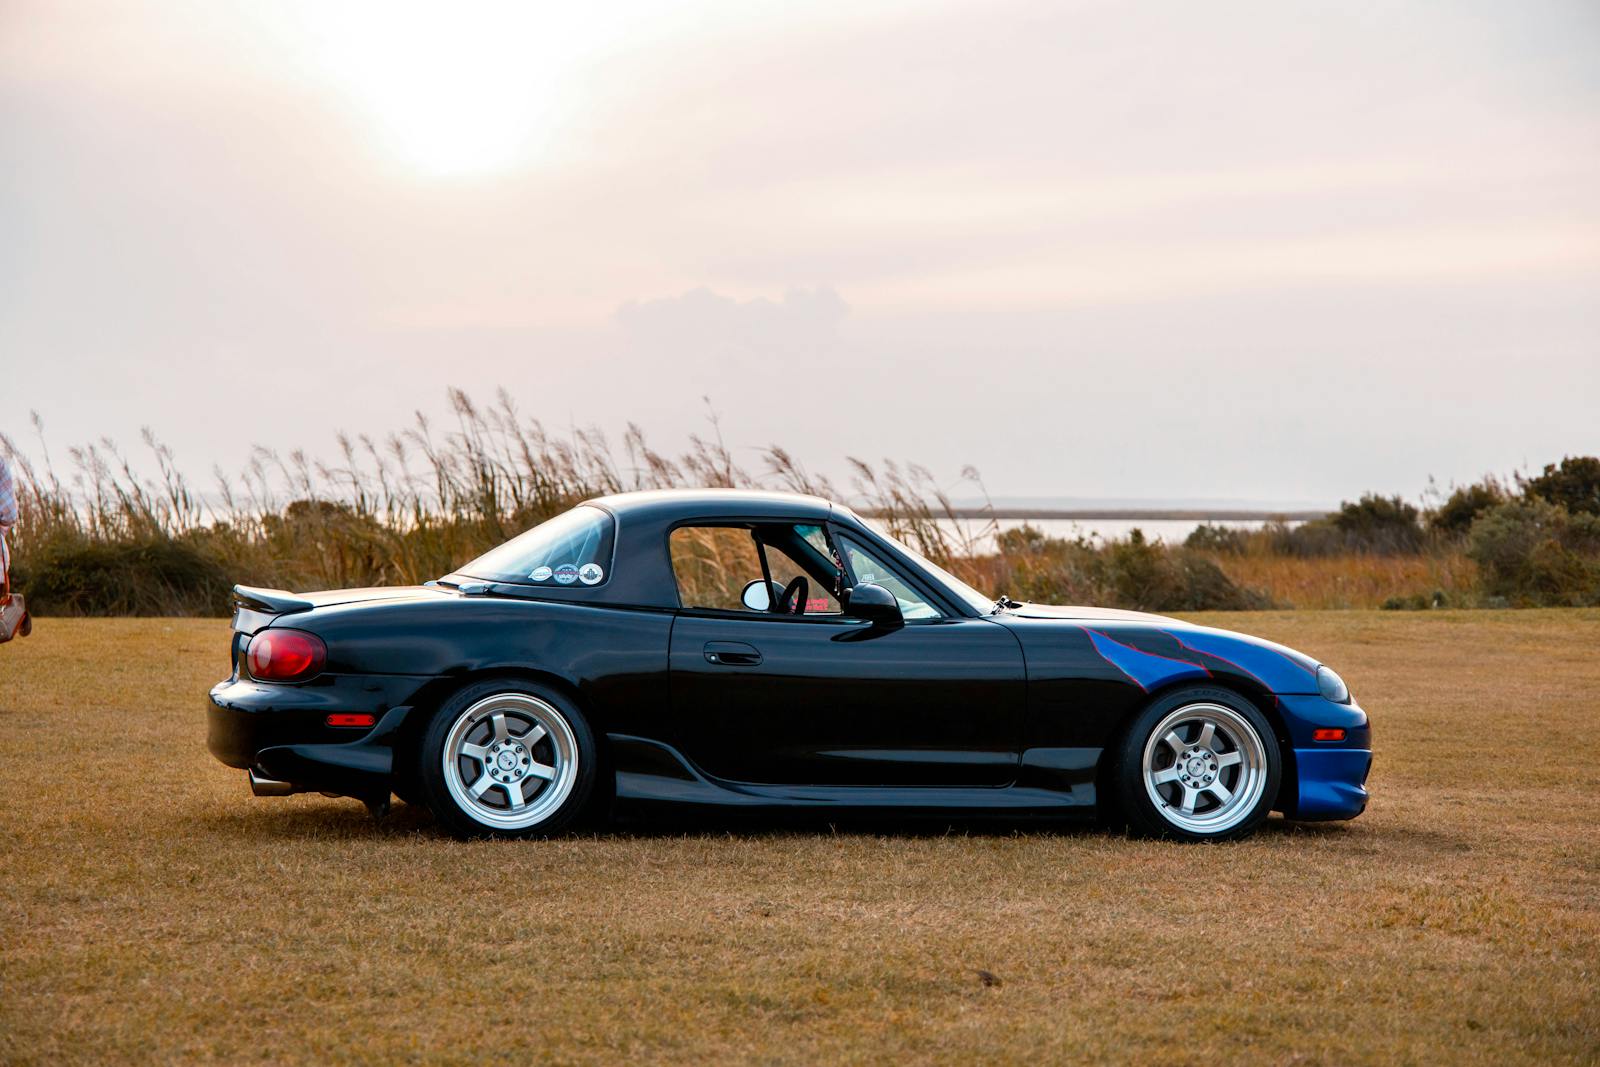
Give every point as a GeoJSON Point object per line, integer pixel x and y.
{"type": "Point", "coordinates": [1258, 251]}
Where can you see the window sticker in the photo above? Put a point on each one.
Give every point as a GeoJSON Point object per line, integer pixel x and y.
{"type": "Point", "coordinates": [591, 573]}
{"type": "Point", "coordinates": [541, 574]}
{"type": "Point", "coordinates": [567, 573]}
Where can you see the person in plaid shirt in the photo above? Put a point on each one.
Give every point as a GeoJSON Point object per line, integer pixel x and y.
{"type": "Point", "coordinates": [8, 513]}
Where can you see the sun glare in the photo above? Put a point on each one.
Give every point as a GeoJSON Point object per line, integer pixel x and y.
{"type": "Point", "coordinates": [456, 89]}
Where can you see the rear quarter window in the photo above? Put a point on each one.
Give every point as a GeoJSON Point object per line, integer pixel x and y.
{"type": "Point", "coordinates": [574, 549]}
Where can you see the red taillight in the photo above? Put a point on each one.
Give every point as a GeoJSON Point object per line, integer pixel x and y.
{"type": "Point", "coordinates": [341, 719]}
{"type": "Point", "coordinates": [1327, 734]}
{"type": "Point", "coordinates": [285, 655]}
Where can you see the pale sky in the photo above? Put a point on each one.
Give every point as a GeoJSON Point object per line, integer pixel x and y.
{"type": "Point", "coordinates": [1275, 250]}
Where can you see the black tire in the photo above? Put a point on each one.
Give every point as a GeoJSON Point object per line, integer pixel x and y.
{"type": "Point", "coordinates": [1205, 769]}
{"type": "Point", "coordinates": [563, 746]}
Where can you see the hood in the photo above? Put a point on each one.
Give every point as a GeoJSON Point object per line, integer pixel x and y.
{"type": "Point", "coordinates": [1052, 611]}
{"type": "Point", "coordinates": [1155, 650]}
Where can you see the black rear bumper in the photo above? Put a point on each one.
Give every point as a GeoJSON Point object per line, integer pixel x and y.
{"type": "Point", "coordinates": [281, 732]}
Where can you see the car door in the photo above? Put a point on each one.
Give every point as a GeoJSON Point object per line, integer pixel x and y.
{"type": "Point", "coordinates": [822, 699]}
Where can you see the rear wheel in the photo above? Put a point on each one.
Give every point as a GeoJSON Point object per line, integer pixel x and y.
{"type": "Point", "coordinates": [1199, 764]}
{"type": "Point", "coordinates": [507, 759]}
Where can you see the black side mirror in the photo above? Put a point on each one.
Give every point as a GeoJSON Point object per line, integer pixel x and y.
{"type": "Point", "coordinates": [875, 604]}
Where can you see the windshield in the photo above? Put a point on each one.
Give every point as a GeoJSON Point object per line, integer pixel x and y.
{"type": "Point", "coordinates": [957, 587]}
{"type": "Point", "coordinates": [574, 548]}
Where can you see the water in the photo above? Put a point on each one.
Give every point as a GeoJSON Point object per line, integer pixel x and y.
{"type": "Point", "coordinates": [1169, 531]}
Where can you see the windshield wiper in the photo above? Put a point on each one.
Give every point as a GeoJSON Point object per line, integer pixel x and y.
{"type": "Point", "coordinates": [1004, 603]}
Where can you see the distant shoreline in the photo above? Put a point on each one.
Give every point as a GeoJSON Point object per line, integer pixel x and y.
{"type": "Point", "coordinates": [1123, 514]}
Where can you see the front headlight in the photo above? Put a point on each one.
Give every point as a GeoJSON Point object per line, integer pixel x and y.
{"type": "Point", "coordinates": [1332, 687]}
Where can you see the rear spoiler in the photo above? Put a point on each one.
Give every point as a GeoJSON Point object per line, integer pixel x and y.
{"type": "Point", "coordinates": [270, 601]}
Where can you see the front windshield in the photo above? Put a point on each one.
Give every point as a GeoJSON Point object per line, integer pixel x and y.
{"type": "Point", "coordinates": [574, 548]}
{"type": "Point", "coordinates": [977, 600]}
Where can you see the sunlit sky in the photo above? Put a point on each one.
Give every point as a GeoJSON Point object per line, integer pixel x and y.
{"type": "Point", "coordinates": [1273, 251]}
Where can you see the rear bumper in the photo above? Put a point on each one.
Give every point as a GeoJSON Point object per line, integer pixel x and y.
{"type": "Point", "coordinates": [280, 734]}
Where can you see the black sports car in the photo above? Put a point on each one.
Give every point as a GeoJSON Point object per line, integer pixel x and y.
{"type": "Point", "coordinates": [745, 650]}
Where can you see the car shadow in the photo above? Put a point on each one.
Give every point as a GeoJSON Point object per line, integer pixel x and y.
{"type": "Point", "coordinates": [345, 818]}
{"type": "Point", "coordinates": [330, 817]}
{"type": "Point", "coordinates": [915, 826]}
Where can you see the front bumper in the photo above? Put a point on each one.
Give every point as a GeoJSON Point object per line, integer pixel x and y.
{"type": "Point", "coordinates": [280, 733]}
{"type": "Point", "coordinates": [1328, 780]}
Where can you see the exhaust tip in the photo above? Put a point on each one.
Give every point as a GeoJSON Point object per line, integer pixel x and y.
{"type": "Point", "coordinates": [269, 787]}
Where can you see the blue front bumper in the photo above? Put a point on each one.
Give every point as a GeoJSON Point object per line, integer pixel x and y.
{"type": "Point", "coordinates": [1329, 778]}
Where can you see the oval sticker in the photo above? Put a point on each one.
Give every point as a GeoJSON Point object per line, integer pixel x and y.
{"type": "Point", "coordinates": [541, 574]}
{"type": "Point", "coordinates": [567, 573]}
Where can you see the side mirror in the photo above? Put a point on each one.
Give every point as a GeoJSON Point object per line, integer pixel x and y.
{"type": "Point", "coordinates": [760, 596]}
{"type": "Point", "coordinates": [875, 604]}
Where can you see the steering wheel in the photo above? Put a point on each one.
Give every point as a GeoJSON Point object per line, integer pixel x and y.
{"type": "Point", "coordinates": [800, 590]}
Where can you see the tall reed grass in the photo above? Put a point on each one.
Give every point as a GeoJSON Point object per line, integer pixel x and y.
{"type": "Point", "coordinates": [102, 534]}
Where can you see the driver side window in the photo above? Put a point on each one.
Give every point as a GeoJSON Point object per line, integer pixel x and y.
{"type": "Point", "coordinates": [868, 568]}
{"type": "Point", "coordinates": [713, 565]}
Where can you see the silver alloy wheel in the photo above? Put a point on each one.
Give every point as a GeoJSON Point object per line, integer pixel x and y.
{"type": "Point", "coordinates": [510, 761]}
{"type": "Point", "coordinates": [1205, 767]}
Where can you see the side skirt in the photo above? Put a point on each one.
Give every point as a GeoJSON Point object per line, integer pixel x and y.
{"type": "Point", "coordinates": [651, 772]}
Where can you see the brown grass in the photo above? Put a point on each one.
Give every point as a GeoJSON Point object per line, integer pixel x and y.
{"type": "Point", "coordinates": [153, 911]}
{"type": "Point", "coordinates": [1354, 581]}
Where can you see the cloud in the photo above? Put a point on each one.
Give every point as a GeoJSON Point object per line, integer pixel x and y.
{"type": "Point", "coordinates": [701, 320]}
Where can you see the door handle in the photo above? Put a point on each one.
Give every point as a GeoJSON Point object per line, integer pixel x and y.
{"type": "Point", "coordinates": [732, 654]}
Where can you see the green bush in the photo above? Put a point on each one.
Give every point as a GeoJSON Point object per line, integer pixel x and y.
{"type": "Point", "coordinates": [1574, 484]}
{"type": "Point", "coordinates": [154, 577]}
{"type": "Point", "coordinates": [1382, 524]}
{"type": "Point", "coordinates": [1454, 518]}
{"type": "Point", "coordinates": [1026, 539]}
{"type": "Point", "coordinates": [1136, 573]}
{"type": "Point", "coordinates": [1532, 552]}
{"type": "Point", "coordinates": [1319, 537]}
{"type": "Point", "coordinates": [1047, 570]}
{"type": "Point", "coordinates": [1373, 525]}
{"type": "Point", "coordinates": [1152, 577]}
{"type": "Point", "coordinates": [1227, 540]}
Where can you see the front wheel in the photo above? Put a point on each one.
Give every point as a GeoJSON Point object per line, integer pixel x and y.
{"type": "Point", "coordinates": [507, 759]}
{"type": "Point", "coordinates": [1199, 764]}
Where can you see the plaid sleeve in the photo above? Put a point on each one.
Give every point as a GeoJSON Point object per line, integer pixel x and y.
{"type": "Point", "coordinates": [8, 511]}
{"type": "Point", "coordinates": [8, 495]}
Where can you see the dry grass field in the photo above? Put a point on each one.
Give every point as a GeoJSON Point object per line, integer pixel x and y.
{"type": "Point", "coordinates": [152, 911]}
{"type": "Point", "coordinates": [1313, 583]}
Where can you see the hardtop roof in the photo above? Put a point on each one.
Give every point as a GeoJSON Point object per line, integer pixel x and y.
{"type": "Point", "coordinates": [674, 504]}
